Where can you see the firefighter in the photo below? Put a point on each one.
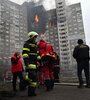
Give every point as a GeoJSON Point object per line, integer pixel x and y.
{"type": "Point", "coordinates": [46, 51]}
{"type": "Point", "coordinates": [30, 56]}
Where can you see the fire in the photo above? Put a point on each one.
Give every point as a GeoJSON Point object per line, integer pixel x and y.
{"type": "Point", "coordinates": [36, 19]}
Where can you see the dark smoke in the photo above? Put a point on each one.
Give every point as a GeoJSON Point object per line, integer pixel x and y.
{"type": "Point", "coordinates": [48, 4]}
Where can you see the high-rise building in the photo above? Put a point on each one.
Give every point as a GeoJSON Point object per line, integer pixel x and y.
{"type": "Point", "coordinates": [75, 29]}
{"type": "Point", "coordinates": [51, 33]}
{"type": "Point", "coordinates": [62, 26]}
{"type": "Point", "coordinates": [13, 27]}
{"type": "Point", "coordinates": [63, 34]}
{"type": "Point", "coordinates": [36, 16]}
{"type": "Point", "coordinates": [70, 29]}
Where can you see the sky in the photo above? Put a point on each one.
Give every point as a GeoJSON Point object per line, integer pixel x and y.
{"type": "Point", "coordinates": [85, 5]}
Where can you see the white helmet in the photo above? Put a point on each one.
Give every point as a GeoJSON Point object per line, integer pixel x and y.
{"type": "Point", "coordinates": [32, 34]}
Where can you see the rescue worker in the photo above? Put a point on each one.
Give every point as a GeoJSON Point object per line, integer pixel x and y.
{"type": "Point", "coordinates": [17, 69]}
{"type": "Point", "coordinates": [41, 49]}
{"type": "Point", "coordinates": [46, 51]}
{"type": "Point", "coordinates": [30, 56]}
{"type": "Point", "coordinates": [81, 54]}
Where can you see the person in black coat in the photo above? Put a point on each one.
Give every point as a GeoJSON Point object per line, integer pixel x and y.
{"type": "Point", "coordinates": [56, 68]}
{"type": "Point", "coordinates": [81, 54]}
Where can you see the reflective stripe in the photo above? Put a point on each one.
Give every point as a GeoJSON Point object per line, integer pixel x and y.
{"type": "Point", "coordinates": [32, 53]}
{"type": "Point", "coordinates": [38, 57]}
{"type": "Point", "coordinates": [26, 49]}
{"type": "Point", "coordinates": [33, 45]}
{"type": "Point", "coordinates": [27, 78]}
{"type": "Point", "coordinates": [25, 55]}
{"type": "Point", "coordinates": [33, 83]}
{"type": "Point", "coordinates": [32, 66]}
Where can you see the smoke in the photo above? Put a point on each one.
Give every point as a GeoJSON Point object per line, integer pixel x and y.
{"type": "Point", "coordinates": [48, 4]}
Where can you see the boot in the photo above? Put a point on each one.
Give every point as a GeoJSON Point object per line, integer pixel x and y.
{"type": "Point", "coordinates": [52, 83]}
{"type": "Point", "coordinates": [22, 87]}
{"type": "Point", "coordinates": [14, 87]}
{"type": "Point", "coordinates": [31, 91]}
{"type": "Point", "coordinates": [48, 85]}
{"type": "Point", "coordinates": [34, 90]}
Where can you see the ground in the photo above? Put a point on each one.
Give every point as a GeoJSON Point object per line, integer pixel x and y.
{"type": "Point", "coordinates": [60, 92]}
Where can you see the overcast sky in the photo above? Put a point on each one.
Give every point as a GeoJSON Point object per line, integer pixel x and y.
{"type": "Point", "coordinates": [85, 4]}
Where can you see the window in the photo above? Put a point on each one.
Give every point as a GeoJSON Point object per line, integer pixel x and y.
{"type": "Point", "coordinates": [60, 3]}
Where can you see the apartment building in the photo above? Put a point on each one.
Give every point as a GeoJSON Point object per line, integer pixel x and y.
{"type": "Point", "coordinates": [36, 16]}
{"type": "Point", "coordinates": [13, 29]}
{"type": "Point", "coordinates": [75, 29]}
{"type": "Point", "coordinates": [63, 33]}
{"type": "Point", "coordinates": [70, 29]}
{"type": "Point", "coordinates": [51, 33]}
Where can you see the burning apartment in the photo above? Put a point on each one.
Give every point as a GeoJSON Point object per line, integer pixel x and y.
{"type": "Point", "coordinates": [37, 17]}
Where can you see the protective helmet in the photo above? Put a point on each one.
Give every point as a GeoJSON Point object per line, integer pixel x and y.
{"type": "Point", "coordinates": [32, 34]}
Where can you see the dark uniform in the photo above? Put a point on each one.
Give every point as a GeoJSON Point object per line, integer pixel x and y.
{"type": "Point", "coordinates": [81, 54]}
{"type": "Point", "coordinates": [56, 68]}
{"type": "Point", "coordinates": [30, 56]}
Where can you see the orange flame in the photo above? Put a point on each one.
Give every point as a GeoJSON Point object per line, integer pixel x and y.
{"type": "Point", "coordinates": [36, 19]}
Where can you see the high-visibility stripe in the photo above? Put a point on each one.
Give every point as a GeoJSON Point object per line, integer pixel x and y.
{"type": "Point", "coordinates": [38, 57]}
{"type": "Point", "coordinates": [27, 78]}
{"type": "Point", "coordinates": [25, 55]}
{"type": "Point", "coordinates": [32, 66]}
{"type": "Point", "coordinates": [26, 49]}
{"type": "Point", "coordinates": [33, 45]}
{"type": "Point", "coordinates": [33, 83]}
{"type": "Point", "coordinates": [33, 53]}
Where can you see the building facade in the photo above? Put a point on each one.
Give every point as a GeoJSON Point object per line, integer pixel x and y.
{"type": "Point", "coordinates": [70, 29]}
{"type": "Point", "coordinates": [75, 29]}
{"type": "Point", "coordinates": [62, 26]}
{"type": "Point", "coordinates": [13, 27]}
{"type": "Point", "coordinates": [51, 33]}
{"type": "Point", "coordinates": [63, 36]}
{"type": "Point", "coordinates": [36, 16]}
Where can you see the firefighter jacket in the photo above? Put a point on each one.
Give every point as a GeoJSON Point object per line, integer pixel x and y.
{"type": "Point", "coordinates": [81, 52]}
{"type": "Point", "coordinates": [16, 64]}
{"type": "Point", "coordinates": [30, 54]}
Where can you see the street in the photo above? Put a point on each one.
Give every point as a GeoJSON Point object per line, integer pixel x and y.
{"type": "Point", "coordinates": [60, 92]}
